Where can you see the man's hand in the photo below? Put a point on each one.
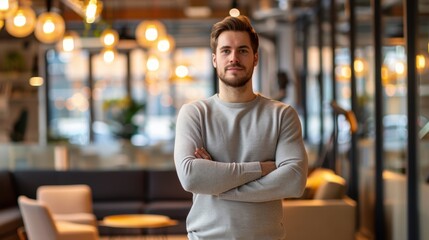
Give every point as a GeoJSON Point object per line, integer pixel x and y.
{"type": "Point", "coordinates": [267, 167]}
{"type": "Point", "coordinates": [202, 153]}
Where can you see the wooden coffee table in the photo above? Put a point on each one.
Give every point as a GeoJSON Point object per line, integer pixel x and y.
{"type": "Point", "coordinates": [138, 221]}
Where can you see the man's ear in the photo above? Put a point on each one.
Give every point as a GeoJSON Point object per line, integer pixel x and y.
{"type": "Point", "coordinates": [214, 60]}
{"type": "Point", "coordinates": [256, 59]}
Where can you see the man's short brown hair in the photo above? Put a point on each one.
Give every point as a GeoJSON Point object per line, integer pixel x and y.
{"type": "Point", "coordinates": [240, 24]}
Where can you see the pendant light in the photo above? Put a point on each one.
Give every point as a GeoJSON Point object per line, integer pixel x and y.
{"type": "Point", "coordinates": [22, 23]}
{"type": "Point", "coordinates": [109, 38]}
{"type": "Point", "coordinates": [152, 64]}
{"type": "Point", "coordinates": [148, 33]}
{"type": "Point", "coordinates": [8, 8]}
{"type": "Point", "coordinates": [50, 27]}
{"type": "Point", "coordinates": [234, 11]}
{"type": "Point", "coordinates": [165, 43]}
{"type": "Point", "coordinates": [70, 42]}
{"type": "Point", "coordinates": [92, 10]}
{"type": "Point", "coordinates": [109, 54]}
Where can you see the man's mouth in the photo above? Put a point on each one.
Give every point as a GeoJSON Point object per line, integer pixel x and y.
{"type": "Point", "coordinates": [234, 68]}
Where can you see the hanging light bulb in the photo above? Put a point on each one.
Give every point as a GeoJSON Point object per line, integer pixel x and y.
{"type": "Point", "coordinates": [93, 10]}
{"type": "Point", "coordinates": [8, 8]}
{"type": "Point", "coordinates": [109, 38]}
{"type": "Point", "coordinates": [152, 63]}
{"type": "Point", "coordinates": [69, 43]}
{"type": "Point", "coordinates": [35, 81]}
{"type": "Point", "coordinates": [50, 27]}
{"type": "Point", "coordinates": [148, 32]}
{"type": "Point", "coordinates": [108, 54]}
{"type": "Point", "coordinates": [166, 43]}
{"type": "Point", "coordinates": [359, 67]}
{"type": "Point", "coordinates": [420, 62]}
{"type": "Point", "coordinates": [22, 23]}
{"type": "Point", "coordinates": [181, 71]}
{"type": "Point", "coordinates": [234, 12]}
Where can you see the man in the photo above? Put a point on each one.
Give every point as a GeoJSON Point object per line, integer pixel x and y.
{"type": "Point", "coordinates": [238, 152]}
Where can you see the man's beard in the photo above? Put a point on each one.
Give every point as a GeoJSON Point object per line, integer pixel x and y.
{"type": "Point", "coordinates": [236, 82]}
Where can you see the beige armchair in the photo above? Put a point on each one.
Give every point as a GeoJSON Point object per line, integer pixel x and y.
{"type": "Point", "coordinates": [70, 203]}
{"type": "Point", "coordinates": [40, 225]}
{"type": "Point", "coordinates": [325, 213]}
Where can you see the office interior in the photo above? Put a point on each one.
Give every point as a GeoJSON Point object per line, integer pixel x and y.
{"type": "Point", "coordinates": [356, 71]}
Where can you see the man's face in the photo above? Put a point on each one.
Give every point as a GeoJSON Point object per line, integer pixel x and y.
{"type": "Point", "coordinates": [234, 59]}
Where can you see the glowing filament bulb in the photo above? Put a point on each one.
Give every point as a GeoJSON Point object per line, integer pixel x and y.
{"type": "Point", "coordinates": [4, 5]}
{"type": "Point", "coordinates": [181, 71]}
{"type": "Point", "coordinates": [109, 39]}
{"type": "Point", "coordinates": [68, 43]}
{"type": "Point", "coordinates": [108, 56]}
{"type": "Point", "coordinates": [420, 62]}
{"type": "Point", "coordinates": [152, 63]}
{"type": "Point", "coordinates": [151, 33]}
{"type": "Point", "coordinates": [90, 12]}
{"type": "Point", "coordinates": [163, 45]}
{"type": "Point", "coordinates": [399, 68]}
{"type": "Point", "coordinates": [234, 12]}
{"type": "Point", "coordinates": [48, 26]}
{"type": "Point", "coordinates": [19, 20]}
{"type": "Point", "coordinates": [359, 66]}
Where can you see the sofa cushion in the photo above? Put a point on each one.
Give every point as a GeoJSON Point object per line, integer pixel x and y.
{"type": "Point", "coordinates": [165, 185]}
{"type": "Point", "coordinates": [8, 195]}
{"type": "Point", "coordinates": [107, 208]}
{"type": "Point", "coordinates": [109, 185]}
{"type": "Point", "coordinates": [10, 221]}
{"type": "Point", "coordinates": [27, 181]}
{"type": "Point", "coordinates": [105, 185]}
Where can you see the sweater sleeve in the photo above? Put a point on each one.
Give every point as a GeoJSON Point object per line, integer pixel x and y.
{"type": "Point", "coordinates": [289, 179]}
{"type": "Point", "coordinates": [201, 175]}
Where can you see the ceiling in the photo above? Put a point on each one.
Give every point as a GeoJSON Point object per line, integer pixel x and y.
{"type": "Point", "coordinates": [125, 15]}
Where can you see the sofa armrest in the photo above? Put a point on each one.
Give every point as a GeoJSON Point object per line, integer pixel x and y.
{"type": "Point", "coordinates": [319, 219]}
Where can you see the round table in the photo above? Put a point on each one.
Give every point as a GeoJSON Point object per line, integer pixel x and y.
{"type": "Point", "coordinates": [139, 221]}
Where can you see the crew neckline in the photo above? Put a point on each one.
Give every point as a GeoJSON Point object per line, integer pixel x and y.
{"type": "Point", "coordinates": [239, 104]}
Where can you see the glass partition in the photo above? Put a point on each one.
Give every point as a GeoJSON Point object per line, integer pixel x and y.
{"type": "Point", "coordinates": [68, 96]}
{"type": "Point", "coordinates": [94, 101]}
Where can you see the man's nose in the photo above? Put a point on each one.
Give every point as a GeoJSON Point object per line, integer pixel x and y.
{"type": "Point", "coordinates": [234, 57]}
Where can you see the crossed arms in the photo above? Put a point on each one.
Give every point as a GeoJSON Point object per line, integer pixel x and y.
{"type": "Point", "coordinates": [266, 167]}
{"type": "Point", "coordinates": [280, 173]}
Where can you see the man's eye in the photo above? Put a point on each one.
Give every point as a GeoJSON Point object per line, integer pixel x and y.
{"type": "Point", "coordinates": [225, 51]}
{"type": "Point", "coordinates": [244, 51]}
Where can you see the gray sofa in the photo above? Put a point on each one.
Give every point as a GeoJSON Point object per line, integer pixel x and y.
{"type": "Point", "coordinates": [113, 192]}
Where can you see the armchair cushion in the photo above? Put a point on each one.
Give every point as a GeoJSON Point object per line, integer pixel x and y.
{"type": "Point", "coordinates": [323, 183]}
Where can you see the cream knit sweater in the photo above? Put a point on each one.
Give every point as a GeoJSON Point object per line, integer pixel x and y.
{"type": "Point", "coordinates": [231, 199]}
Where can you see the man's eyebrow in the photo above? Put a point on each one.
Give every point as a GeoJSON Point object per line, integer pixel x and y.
{"type": "Point", "coordinates": [227, 47]}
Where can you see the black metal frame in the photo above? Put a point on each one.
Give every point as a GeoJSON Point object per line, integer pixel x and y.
{"type": "Point", "coordinates": [411, 33]}
{"type": "Point", "coordinates": [353, 190]}
{"type": "Point", "coordinates": [379, 151]}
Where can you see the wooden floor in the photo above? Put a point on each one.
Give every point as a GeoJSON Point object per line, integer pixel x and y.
{"type": "Point", "coordinates": [169, 237]}
{"type": "Point", "coordinates": [177, 237]}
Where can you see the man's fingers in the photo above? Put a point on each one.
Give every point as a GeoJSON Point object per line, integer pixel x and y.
{"type": "Point", "coordinates": [202, 153]}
